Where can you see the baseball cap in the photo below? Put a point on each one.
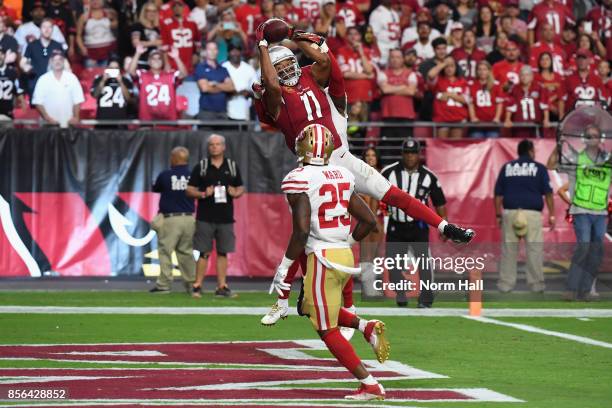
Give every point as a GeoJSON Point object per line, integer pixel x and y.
{"type": "Point", "coordinates": [177, 2]}
{"type": "Point", "coordinates": [38, 4]}
{"type": "Point", "coordinates": [584, 53]}
{"type": "Point", "coordinates": [411, 146]}
{"type": "Point", "coordinates": [408, 49]}
{"type": "Point", "coordinates": [520, 224]}
{"type": "Point", "coordinates": [456, 26]}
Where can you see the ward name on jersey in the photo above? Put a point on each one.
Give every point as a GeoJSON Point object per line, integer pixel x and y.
{"type": "Point", "coordinates": [329, 189]}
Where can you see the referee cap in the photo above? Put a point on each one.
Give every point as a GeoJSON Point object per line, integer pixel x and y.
{"type": "Point", "coordinates": [411, 146]}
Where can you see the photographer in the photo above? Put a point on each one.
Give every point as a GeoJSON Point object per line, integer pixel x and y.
{"type": "Point", "coordinates": [113, 92]}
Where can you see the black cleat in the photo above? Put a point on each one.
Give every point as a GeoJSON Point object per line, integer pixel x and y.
{"type": "Point", "coordinates": [458, 234]}
{"type": "Point", "coordinates": [159, 291]}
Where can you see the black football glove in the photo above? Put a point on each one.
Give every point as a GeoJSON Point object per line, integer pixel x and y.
{"type": "Point", "coordinates": [458, 234]}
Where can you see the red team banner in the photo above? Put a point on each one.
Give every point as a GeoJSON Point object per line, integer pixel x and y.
{"type": "Point", "coordinates": [79, 203]}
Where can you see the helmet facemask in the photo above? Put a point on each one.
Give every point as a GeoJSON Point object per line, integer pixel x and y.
{"type": "Point", "coordinates": [289, 75]}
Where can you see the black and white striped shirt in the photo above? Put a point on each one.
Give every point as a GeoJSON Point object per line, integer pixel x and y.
{"type": "Point", "coordinates": [421, 183]}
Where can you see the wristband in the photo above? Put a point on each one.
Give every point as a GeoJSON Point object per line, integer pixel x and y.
{"type": "Point", "coordinates": [263, 43]}
{"type": "Point", "coordinates": [286, 262]}
{"type": "Point", "coordinates": [441, 226]}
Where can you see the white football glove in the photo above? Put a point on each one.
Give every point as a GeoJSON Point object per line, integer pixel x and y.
{"type": "Point", "coordinates": [278, 283]}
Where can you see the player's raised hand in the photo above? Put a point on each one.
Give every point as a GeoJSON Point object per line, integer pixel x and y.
{"type": "Point", "coordinates": [278, 283]}
{"type": "Point", "coordinates": [174, 53]}
{"type": "Point", "coordinates": [299, 35]}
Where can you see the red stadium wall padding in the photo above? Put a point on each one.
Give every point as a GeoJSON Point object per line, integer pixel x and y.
{"type": "Point", "coordinates": [78, 202]}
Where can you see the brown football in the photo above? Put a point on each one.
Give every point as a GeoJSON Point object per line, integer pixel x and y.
{"type": "Point", "coordinates": [276, 30]}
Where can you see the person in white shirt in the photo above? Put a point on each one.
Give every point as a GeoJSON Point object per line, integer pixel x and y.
{"type": "Point", "coordinates": [385, 24]}
{"type": "Point", "coordinates": [30, 31]}
{"type": "Point", "coordinates": [58, 94]}
{"type": "Point", "coordinates": [243, 76]}
{"type": "Point", "coordinates": [202, 13]}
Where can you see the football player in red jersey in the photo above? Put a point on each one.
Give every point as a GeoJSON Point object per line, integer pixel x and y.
{"type": "Point", "coordinates": [468, 56]}
{"type": "Point", "coordinates": [584, 87]}
{"type": "Point", "coordinates": [552, 12]}
{"type": "Point", "coordinates": [293, 98]}
{"type": "Point", "coordinates": [181, 34]}
{"type": "Point", "coordinates": [528, 103]}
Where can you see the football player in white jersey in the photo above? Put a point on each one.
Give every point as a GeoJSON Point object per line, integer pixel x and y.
{"type": "Point", "coordinates": [322, 199]}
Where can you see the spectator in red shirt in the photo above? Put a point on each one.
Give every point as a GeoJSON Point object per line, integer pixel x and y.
{"type": "Point", "coordinates": [181, 34]}
{"type": "Point", "coordinates": [584, 87]}
{"type": "Point", "coordinates": [294, 15]}
{"type": "Point", "coordinates": [247, 14]}
{"type": "Point", "coordinates": [450, 101]}
{"type": "Point", "coordinates": [506, 72]}
{"type": "Point", "coordinates": [357, 66]}
{"type": "Point", "coordinates": [527, 103]}
{"type": "Point", "coordinates": [585, 43]}
{"type": "Point", "coordinates": [601, 19]}
{"type": "Point", "coordinates": [547, 44]}
{"type": "Point", "coordinates": [485, 103]}
{"type": "Point", "coordinates": [399, 85]}
{"type": "Point", "coordinates": [554, 84]}
{"type": "Point", "coordinates": [330, 26]}
{"type": "Point", "coordinates": [349, 12]}
{"type": "Point", "coordinates": [468, 56]}
{"type": "Point", "coordinates": [551, 12]}
{"type": "Point", "coordinates": [8, 14]}
{"type": "Point", "coordinates": [568, 40]}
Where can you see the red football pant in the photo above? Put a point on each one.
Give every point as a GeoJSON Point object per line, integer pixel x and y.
{"type": "Point", "coordinates": [411, 206]}
{"type": "Point", "coordinates": [347, 291]}
{"type": "Point", "coordinates": [341, 349]}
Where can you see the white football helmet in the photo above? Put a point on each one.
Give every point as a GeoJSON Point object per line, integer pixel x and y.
{"type": "Point", "coordinates": [290, 75]}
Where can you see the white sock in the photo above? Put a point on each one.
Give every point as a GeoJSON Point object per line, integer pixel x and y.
{"type": "Point", "coordinates": [283, 302]}
{"type": "Point", "coordinates": [369, 380]}
{"type": "Point", "coordinates": [362, 325]}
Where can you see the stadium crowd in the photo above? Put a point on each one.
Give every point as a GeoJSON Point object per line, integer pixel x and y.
{"type": "Point", "coordinates": [500, 62]}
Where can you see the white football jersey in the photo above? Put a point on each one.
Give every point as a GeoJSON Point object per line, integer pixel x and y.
{"type": "Point", "coordinates": [329, 189]}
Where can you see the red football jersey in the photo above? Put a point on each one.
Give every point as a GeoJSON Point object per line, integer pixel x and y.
{"type": "Point", "coordinates": [166, 15]}
{"type": "Point", "coordinates": [485, 100]}
{"type": "Point", "coordinates": [400, 106]}
{"type": "Point", "coordinates": [503, 71]}
{"type": "Point", "coordinates": [527, 105]}
{"type": "Point", "coordinates": [182, 36]}
{"type": "Point", "coordinates": [557, 15]}
{"type": "Point", "coordinates": [310, 8]}
{"type": "Point", "coordinates": [157, 95]}
{"type": "Point", "coordinates": [468, 62]}
{"type": "Point", "coordinates": [602, 24]}
{"type": "Point", "coordinates": [449, 110]}
{"type": "Point", "coordinates": [247, 15]}
{"type": "Point", "coordinates": [302, 105]}
{"type": "Point", "coordinates": [356, 89]}
{"type": "Point", "coordinates": [585, 92]}
{"type": "Point", "coordinates": [555, 88]}
{"type": "Point", "coordinates": [295, 15]}
{"type": "Point", "coordinates": [559, 57]}
{"type": "Point", "coordinates": [350, 13]}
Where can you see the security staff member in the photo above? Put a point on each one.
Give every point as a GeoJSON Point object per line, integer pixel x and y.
{"type": "Point", "coordinates": [174, 224]}
{"type": "Point", "coordinates": [403, 232]}
{"type": "Point", "coordinates": [215, 182]}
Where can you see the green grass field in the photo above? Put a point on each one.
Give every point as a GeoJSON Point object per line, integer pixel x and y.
{"type": "Point", "coordinates": [539, 369]}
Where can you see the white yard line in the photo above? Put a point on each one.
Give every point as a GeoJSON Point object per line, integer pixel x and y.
{"type": "Point", "coordinates": [533, 329]}
{"type": "Point", "coordinates": [258, 311]}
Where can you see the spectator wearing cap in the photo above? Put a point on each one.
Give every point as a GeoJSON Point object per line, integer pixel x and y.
{"type": "Point", "coordinates": [399, 85]}
{"type": "Point", "coordinates": [486, 29]}
{"type": "Point", "coordinates": [8, 44]}
{"type": "Point", "coordinates": [468, 55]}
{"type": "Point", "coordinates": [242, 76]}
{"type": "Point", "coordinates": [404, 233]}
{"type": "Point", "coordinates": [95, 34]}
{"type": "Point", "coordinates": [30, 31]}
{"type": "Point", "coordinates": [584, 87]}
{"type": "Point", "coordinates": [58, 94]}
{"type": "Point", "coordinates": [585, 43]}
{"type": "Point", "coordinates": [145, 32]}
{"type": "Point", "coordinates": [467, 13]}
{"type": "Point", "coordinates": [35, 61]}
{"type": "Point", "coordinates": [527, 102]}
{"type": "Point", "coordinates": [455, 39]}
{"type": "Point", "coordinates": [410, 35]}
{"type": "Point", "coordinates": [11, 90]}
{"type": "Point", "coordinates": [506, 72]}
{"type": "Point", "coordinates": [113, 92]}
{"type": "Point", "coordinates": [181, 34]}
{"type": "Point", "coordinates": [384, 21]}
{"type": "Point", "coordinates": [357, 64]}
{"type": "Point", "coordinates": [520, 185]}
{"type": "Point", "coordinates": [215, 84]}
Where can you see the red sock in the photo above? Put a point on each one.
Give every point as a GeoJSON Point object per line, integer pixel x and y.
{"type": "Point", "coordinates": [411, 206]}
{"type": "Point", "coordinates": [300, 262]}
{"type": "Point", "coordinates": [341, 349]}
{"type": "Point", "coordinates": [345, 318]}
{"type": "Point", "coordinates": [336, 79]}
{"type": "Point", "coordinates": [347, 293]}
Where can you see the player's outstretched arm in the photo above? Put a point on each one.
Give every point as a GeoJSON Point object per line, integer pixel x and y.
{"type": "Point", "coordinates": [272, 97]}
{"type": "Point", "coordinates": [314, 47]}
{"type": "Point", "coordinates": [366, 220]}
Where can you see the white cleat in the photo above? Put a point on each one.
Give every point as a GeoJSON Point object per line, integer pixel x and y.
{"type": "Point", "coordinates": [276, 312]}
{"type": "Point", "coordinates": [348, 332]}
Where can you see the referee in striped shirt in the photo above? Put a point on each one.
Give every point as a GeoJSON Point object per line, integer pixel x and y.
{"type": "Point", "coordinates": [403, 232]}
